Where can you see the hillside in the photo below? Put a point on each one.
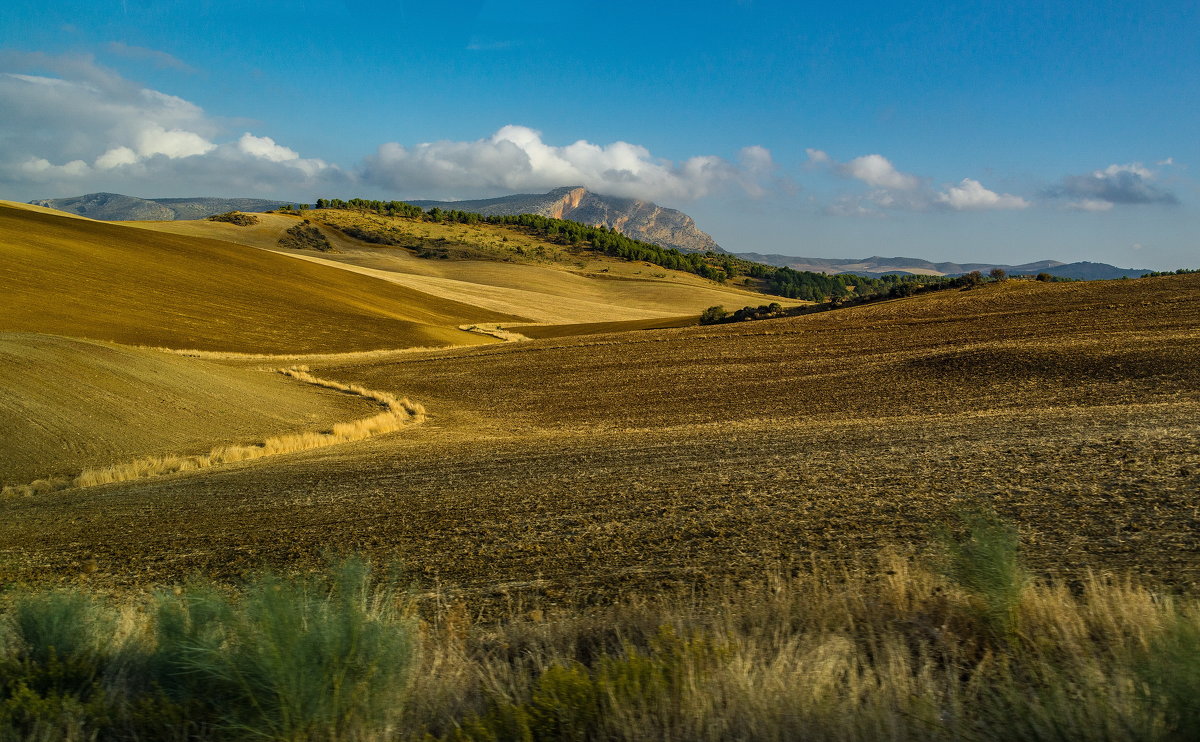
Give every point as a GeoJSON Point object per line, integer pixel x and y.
{"type": "Point", "coordinates": [67, 404]}
{"type": "Point", "coordinates": [114, 207]}
{"type": "Point", "coordinates": [82, 278]}
{"type": "Point", "coordinates": [581, 467]}
{"type": "Point", "coordinates": [876, 265]}
{"type": "Point", "coordinates": [641, 220]}
{"type": "Point", "coordinates": [496, 267]}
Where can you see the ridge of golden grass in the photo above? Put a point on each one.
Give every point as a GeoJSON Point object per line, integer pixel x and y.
{"type": "Point", "coordinates": [105, 281]}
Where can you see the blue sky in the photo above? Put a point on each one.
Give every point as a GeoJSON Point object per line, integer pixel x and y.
{"type": "Point", "coordinates": [1003, 132]}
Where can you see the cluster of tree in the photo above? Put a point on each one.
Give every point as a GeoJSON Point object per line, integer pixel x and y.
{"type": "Point", "coordinates": [383, 208]}
{"type": "Point", "coordinates": [866, 291]}
{"type": "Point", "coordinates": [235, 217]}
{"type": "Point", "coordinates": [304, 236]}
{"type": "Point", "coordinates": [1176, 272]}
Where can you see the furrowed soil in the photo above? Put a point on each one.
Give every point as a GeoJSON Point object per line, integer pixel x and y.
{"type": "Point", "coordinates": [579, 467]}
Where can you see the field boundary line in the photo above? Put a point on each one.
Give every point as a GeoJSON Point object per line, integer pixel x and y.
{"type": "Point", "coordinates": [397, 413]}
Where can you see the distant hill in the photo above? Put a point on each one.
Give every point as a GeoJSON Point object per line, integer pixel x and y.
{"type": "Point", "coordinates": [641, 220]}
{"type": "Point", "coordinates": [879, 266]}
{"type": "Point", "coordinates": [114, 207]}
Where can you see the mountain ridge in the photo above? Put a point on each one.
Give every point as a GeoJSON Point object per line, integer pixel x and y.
{"type": "Point", "coordinates": [117, 207]}
{"type": "Point", "coordinates": [641, 220]}
{"type": "Point", "coordinates": [877, 265]}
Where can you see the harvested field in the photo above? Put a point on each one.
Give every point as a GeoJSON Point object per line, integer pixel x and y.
{"type": "Point", "coordinates": [67, 405]}
{"type": "Point", "coordinates": [584, 466]}
{"type": "Point", "coordinates": [76, 277]}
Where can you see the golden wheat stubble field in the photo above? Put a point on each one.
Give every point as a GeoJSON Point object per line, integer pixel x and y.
{"type": "Point", "coordinates": [584, 466]}
{"type": "Point", "coordinates": [103, 281]}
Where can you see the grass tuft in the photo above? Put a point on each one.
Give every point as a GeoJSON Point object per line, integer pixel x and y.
{"type": "Point", "coordinates": [985, 562]}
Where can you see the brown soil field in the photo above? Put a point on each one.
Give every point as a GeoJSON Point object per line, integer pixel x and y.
{"type": "Point", "coordinates": [67, 405]}
{"type": "Point", "coordinates": [583, 466]}
{"type": "Point", "coordinates": [81, 278]}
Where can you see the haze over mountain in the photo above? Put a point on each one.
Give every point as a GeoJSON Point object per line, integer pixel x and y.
{"type": "Point", "coordinates": [641, 220]}
{"type": "Point", "coordinates": [878, 266]}
{"type": "Point", "coordinates": [115, 207]}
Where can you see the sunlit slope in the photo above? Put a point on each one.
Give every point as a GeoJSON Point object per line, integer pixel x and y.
{"type": "Point", "coordinates": [83, 278]}
{"type": "Point", "coordinates": [499, 268]}
{"type": "Point", "coordinates": [68, 404]}
{"type": "Point", "coordinates": [589, 465]}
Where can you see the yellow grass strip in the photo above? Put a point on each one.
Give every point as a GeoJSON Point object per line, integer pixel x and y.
{"type": "Point", "coordinates": [396, 414]}
{"type": "Point", "coordinates": [354, 355]}
{"type": "Point", "coordinates": [495, 331]}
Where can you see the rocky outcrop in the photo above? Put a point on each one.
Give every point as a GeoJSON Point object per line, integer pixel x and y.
{"type": "Point", "coordinates": [641, 220]}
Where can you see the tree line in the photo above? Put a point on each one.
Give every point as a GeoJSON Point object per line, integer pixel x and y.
{"type": "Point", "coordinates": [719, 267]}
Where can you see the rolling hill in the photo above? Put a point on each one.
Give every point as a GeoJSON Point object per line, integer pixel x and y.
{"type": "Point", "coordinates": [89, 279]}
{"type": "Point", "coordinates": [496, 267]}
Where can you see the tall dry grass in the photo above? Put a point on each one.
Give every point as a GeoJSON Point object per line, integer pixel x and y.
{"type": "Point", "coordinates": [892, 651]}
{"type": "Point", "coordinates": [395, 414]}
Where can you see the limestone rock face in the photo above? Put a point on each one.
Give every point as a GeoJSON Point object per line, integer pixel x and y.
{"type": "Point", "coordinates": [641, 220]}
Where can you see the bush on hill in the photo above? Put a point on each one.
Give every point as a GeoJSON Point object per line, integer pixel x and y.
{"type": "Point", "coordinates": [235, 217]}
{"type": "Point", "coordinates": [304, 236]}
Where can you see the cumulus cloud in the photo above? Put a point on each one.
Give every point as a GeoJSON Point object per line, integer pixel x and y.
{"type": "Point", "coordinates": [90, 129]}
{"type": "Point", "coordinates": [894, 190]}
{"type": "Point", "coordinates": [878, 171]}
{"type": "Point", "coordinates": [516, 158]}
{"type": "Point", "coordinates": [1100, 190]}
{"type": "Point", "coordinates": [970, 195]}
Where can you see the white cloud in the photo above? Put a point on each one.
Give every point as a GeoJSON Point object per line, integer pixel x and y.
{"type": "Point", "coordinates": [970, 195]}
{"type": "Point", "coordinates": [893, 190]}
{"type": "Point", "coordinates": [155, 140]}
{"type": "Point", "coordinates": [135, 139]}
{"type": "Point", "coordinates": [266, 148]}
{"type": "Point", "coordinates": [43, 169]}
{"type": "Point", "coordinates": [516, 158]}
{"type": "Point", "coordinates": [116, 157]}
{"type": "Point", "coordinates": [1128, 184]}
{"type": "Point", "coordinates": [817, 156]}
{"type": "Point", "coordinates": [878, 171]}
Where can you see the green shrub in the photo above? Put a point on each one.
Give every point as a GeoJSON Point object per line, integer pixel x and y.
{"type": "Point", "coordinates": [985, 562]}
{"type": "Point", "coordinates": [58, 649]}
{"type": "Point", "coordinates": [1170, 669]}
{"type": "Point", "coordinates": [235, 217]}
{"type": "Point", "coordinates": [290, 659]}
